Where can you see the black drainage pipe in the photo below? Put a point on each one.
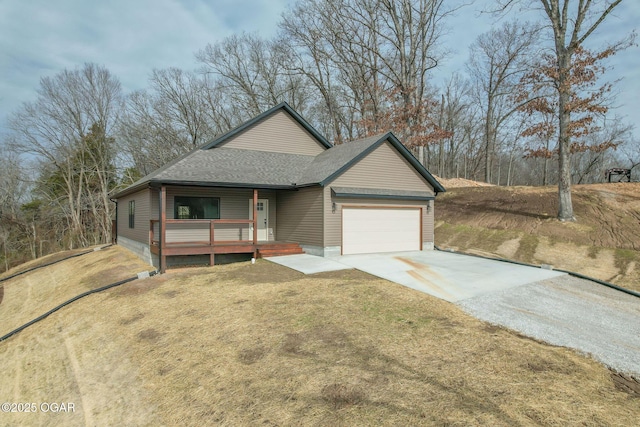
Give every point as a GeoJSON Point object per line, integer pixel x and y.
{"type": "Point", "coordinates": [570, 273]}
{"type": "Point", "coordinates": [4, 279]}
{"type": "Point", "coordinates": [142, 275]}
{"type": "Point", "coordinates": [601, 282]}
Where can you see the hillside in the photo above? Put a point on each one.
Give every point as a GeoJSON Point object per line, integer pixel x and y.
{"type": "Point", "coordinates": [260, 344]}
{"type": "Point", "coordinates": [519, 223]}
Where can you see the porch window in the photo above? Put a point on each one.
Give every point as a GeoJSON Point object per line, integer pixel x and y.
{"type": "Point", "coordinates": [197, 207]}
{"type": "Point", "coordinates": [132, 214]}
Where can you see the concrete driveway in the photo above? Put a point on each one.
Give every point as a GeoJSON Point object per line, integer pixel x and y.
{"type": "Point", "coordinates": [449, 276]}
{"type": "Point", "coordinates": [544, 304]}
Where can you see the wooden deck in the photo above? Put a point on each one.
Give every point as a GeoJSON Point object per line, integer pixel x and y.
{"type": "Point", "coordinates": [175, 237]}
{"type": "Point", "coordinates": [264, 249]}
{"type": "Point", "coordinates": [260, 249]}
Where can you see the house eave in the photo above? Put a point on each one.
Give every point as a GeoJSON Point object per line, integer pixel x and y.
{"type": "Point", "coordinates": [130, 190]}
{"type": "Point", "coordinates": [157, 183]}
{"type": "Point", "coordinates": [356, 193]}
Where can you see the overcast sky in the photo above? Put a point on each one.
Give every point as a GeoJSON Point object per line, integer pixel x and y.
{"type": "Point", "coordinates": [40, 38]}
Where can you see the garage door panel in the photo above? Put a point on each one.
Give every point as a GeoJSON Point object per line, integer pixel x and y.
{"type": "Point", "coordinates": [371, 230]}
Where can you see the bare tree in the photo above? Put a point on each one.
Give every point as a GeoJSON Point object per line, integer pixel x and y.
{"type": "Point", "coordinates": [13, 191]}
{"type": "Point", "coordinates": [307, 28]}
{"type": "Point", "coordinates": [253, 72]}
{"type": "Point", "coordinates": [630, 152]}
{"type": "Point", "coordinates": [362, 53]}
{"type": "Point", "coordinates": [178, 113]}
{"type": "Point", "coordinates": [54, 128]}
{"type": "Point", "coordinates": [456, 121]}
{"type": "Point", "coordinates": [498, 60]}
{"type": "Point", "coordinates": [572, 22]}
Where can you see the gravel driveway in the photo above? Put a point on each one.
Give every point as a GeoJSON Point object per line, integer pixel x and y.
{"type": "Point", "coordinates": [569, 312]}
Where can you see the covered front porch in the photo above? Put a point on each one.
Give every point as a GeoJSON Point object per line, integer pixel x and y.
{"type": "Point", "coordinates": [194, 221]}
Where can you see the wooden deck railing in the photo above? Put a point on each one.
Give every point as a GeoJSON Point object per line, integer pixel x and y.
{"type": "Point", "coordinates": [194, 231]}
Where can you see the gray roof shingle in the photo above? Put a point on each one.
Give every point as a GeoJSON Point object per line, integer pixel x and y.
{"type": "Point", "coordinates": [331, 161]}
{"type": "Point", "coordinates": [236, 166]}
{"type": "Point", "coordinates": [259, 169]}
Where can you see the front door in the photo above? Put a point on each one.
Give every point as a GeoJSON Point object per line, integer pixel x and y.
{"type": "Point", "coordinates": [263, 218]}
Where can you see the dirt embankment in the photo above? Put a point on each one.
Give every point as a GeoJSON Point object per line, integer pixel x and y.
{"type": "Point", "coordinates": [520, 223]}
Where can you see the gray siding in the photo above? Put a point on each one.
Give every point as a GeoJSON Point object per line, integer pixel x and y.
{"type": "Point", "coordinates": [278, 133]}
{"type": "Point", "coordinates": [155, 203]}
{"type": "Point", "coordinates": [300, 216]}
{"type": "Point", "coordinates": [383, 168]}
{"type": "Point", "coordinates": [141, 231]}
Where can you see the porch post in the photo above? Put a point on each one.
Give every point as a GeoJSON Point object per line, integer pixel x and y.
{"type": "Point", "coordinates": [163, 228]}
{"type": "Point", "coordinates": [255, 222]}
{"type": "Point", "coordinates": [212, 256]}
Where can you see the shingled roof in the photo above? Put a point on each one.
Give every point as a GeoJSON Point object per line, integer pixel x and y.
{"type": "Point", "coordinates": [216, 165]}
{"type": "Point", "coordinates": [237, 166]}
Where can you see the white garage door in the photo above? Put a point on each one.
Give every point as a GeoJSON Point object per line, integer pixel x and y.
{"type": "Point", "coordinates": [370, 230]}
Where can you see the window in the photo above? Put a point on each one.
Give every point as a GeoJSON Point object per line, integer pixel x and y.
{"type": "Point", "coordinates": [197, 208]}
{"type": "Point", "coordinates": [132, 214]}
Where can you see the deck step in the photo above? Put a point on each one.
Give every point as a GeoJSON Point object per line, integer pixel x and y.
{"type": "Point", "coordinates": [263, 254]}
{"type": "Point", "coordinates": [278, 249]}
{"type": "Point", "coordinates": [277, 245]}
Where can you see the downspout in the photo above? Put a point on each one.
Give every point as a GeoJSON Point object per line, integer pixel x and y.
{"type": "Point", "coordinates": [114, 235]}
{"type": "Point", "coordinates": [160, 239]}
{"type": "Point", "coordinates": [115, 240]}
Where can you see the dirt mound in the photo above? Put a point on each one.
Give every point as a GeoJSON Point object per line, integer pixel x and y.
{"type": "Point", "coordinates": [607, 215]}
{"type": "Point", "coordinates": [461, 182]}
{"type": "Point", "coordinates": [520, 223]}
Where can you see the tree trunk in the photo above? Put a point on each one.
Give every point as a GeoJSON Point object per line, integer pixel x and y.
{"type": "Point", "coordinates": [509, 170]}
{"type": "Point", "coordinates": [488, 151]}
{"type": "Point", "coordinates": [6, 256]}
{"type": "Point", "coordinates": [565, 206]}
{"type": "Point", "coordinates": [421, 155]}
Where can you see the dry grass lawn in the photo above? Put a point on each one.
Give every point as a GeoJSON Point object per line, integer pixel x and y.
{"type": "Point", "coordinates": [32, 294]}
{"type": "Point", "coordinates": [260, 344]}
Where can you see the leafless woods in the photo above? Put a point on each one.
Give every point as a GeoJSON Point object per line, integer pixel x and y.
{"type": "Point", "coordinates": [529, 107]}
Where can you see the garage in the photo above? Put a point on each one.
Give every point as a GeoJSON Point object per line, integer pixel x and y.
{"type": "Point", "coordinates": [368, 229]}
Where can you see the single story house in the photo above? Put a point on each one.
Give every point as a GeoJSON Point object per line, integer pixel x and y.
{"type": "Point", "coordinates": [274, 185]}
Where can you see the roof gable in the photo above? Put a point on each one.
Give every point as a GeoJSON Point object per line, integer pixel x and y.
{"type": "Point", "coordinates": [279, 130]}
{"type": "Point", "coordinates": [334, 162]}
{"type": "Point", "coordinates": [382, 167]}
